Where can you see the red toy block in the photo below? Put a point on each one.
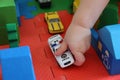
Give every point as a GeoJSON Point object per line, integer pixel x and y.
{"type": "Point", "coordinates": [34, 32]}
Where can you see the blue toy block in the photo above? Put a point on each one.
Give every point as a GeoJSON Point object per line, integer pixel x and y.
{"type": "Point", "coordinates": [18, 13]}
{"type": "Point", "coordinates": [25, 9]}
{"type": "Point", "coordinates": [107, 47]}
{"type": "Point", "coordinates": [16, 64]}
{"type": "Point", "coordinates": [94, 38]}
{"type": "Point", "coordinates": [22, 1]}
{"type": "Point", "coordinates": [94, 41]}
{"type": "Point", "coordinates": [110, 36]}
{"type": "Point", "coordinates": [17, 9]}
{"type": "Point", "coordinates": [19, 22]}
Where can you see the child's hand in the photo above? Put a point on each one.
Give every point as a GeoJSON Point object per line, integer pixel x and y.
{"type": "Point", "coordinates": [77, 39]}
{"type": "Point", "coordinates": [78, 35]}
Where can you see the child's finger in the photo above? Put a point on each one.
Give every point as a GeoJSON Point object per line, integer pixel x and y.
{"type": "Point", "coordinates": [62, 49]}
{"type": "Point", "coordinates": [79, 58]}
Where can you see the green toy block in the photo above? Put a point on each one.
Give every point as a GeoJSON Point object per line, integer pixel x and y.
{"type": "Point", "coordinates": [109, 16]}
{"type": "Point", "coordinates": [13, 34]}
{"type": "Point", "coordinates": [11, 27]}
{"type": "Point", "coordinates": [14, 44]}
{"type": "Point", "coordinates": [114, 1]}
{"type": "Point", "coordinates": [9, 34]}
{"type": "Point", "coordinates": [7, 12]}
{"type": "Point", "coordinates": [3, 35]}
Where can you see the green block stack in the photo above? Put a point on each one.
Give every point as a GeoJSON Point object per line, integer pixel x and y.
{"type": "Point", "coordinates": [3, 35]}
{"type": "Point", "coordinates": [7, 16]}
{"type": "Point", "coordinates": [13, 35]}
{"type": "Point", "coordinates": [7, 12]}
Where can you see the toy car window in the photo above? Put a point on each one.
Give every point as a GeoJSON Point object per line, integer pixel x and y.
{"type": "Point", "coordinates": [54, 20]}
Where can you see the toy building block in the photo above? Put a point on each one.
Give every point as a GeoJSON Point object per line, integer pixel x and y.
{"type": "Point", "coordinates": [108, 47]}
{"type": "Point", "coordinates": [22, 1]}
{"type": "Point", "coordinates": [3, 35]}
{"type": "Point", "coordinates": [13, 35]}
{"type": "Point", "coordinates": [5, 7]}
{"type": "Point", "coordinates": [5, 18]}
{"type": "Point", "coordinates": [18, 12]}
{"type": "Point", "coordinates": [9, 35]}
{"type": "Point", "coordinates": [25, 9]}
{"type": "Point", "coordinates": [16, 64]}
{"type": "Point", "coordinates": [94, 38]}
{"type": "Point", "coordinates": [114, 1]}
{"type": "Point", "coordinates": [109, 16]}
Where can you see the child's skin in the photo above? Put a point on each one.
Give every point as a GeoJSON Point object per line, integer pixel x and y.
{"type": "Point", "coordinates": [78, 35]}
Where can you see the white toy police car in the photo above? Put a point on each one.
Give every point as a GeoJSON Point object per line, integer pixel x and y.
{"type": "Point", "coordinates": [64, 60]}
